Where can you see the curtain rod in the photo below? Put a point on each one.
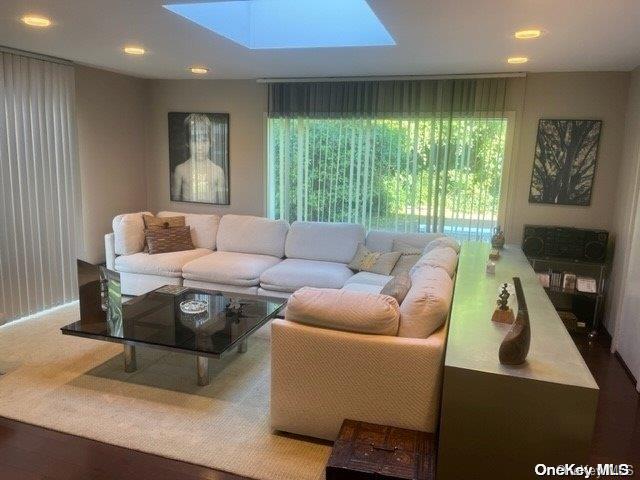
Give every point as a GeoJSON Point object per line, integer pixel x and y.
{"type": "Point", "coordinates": [37, 56]}
{"type": "Point", "coordinates": [391, 77]}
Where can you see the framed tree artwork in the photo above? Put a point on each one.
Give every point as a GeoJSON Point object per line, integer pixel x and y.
{"type": "Point", "coordinates": [564, 164]}
{"type": "Point", "coordinates": [199, 157]}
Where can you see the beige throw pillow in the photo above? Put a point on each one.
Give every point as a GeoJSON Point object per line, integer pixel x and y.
{"type": "Point", "coordinates": [165, 240]}
{"type": "Point", "coordinates": [151, 222]}
{"type": "Point", "coordinates": [204, 227]}
{"type": "Point", "coordinates": [375, 262]}
{"type": "Point", "coordinates": [154, 223]}
{"type": "Point", "coordinates": [397, 287]}
{"type": "Point", "coordinates": [360, 312]}
{"type": "Point", "coordinates": [409, 255]}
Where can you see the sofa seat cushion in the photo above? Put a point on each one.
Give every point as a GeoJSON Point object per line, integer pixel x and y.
{"type": "Point", "coordinates": [346, 310]}
{"type": "Point", "coordinates": [362, 287]}
{"type": "Point", "coordinates": [292, 274]}
{"type": "Point", "coordinates": [166, 264]}
{"type": "Point", "coordinates": [369, 278]}
{"type": "Point", "coordinates": [229, 268]}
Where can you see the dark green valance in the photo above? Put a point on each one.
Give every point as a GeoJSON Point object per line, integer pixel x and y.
{"type": "Point", "coordinates": [388, 98]}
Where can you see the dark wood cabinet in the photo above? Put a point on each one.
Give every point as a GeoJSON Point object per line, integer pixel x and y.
{"type": "Point", "coordinates": [366, 451]}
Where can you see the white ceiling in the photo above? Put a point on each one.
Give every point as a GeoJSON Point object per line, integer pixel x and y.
{"type": "Point", "coordinates": [433, 37]}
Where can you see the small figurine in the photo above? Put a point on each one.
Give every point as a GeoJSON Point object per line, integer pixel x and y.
{"type": "Point", "coordinates": [503, 313]}
{"type": "Point", "coordinates": [497, 240]}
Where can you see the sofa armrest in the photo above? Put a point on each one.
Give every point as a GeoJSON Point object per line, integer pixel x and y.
{"type": "Point", "coordinates": [110, 250]}
{"type": "Point", "coordinates": [319, 377]}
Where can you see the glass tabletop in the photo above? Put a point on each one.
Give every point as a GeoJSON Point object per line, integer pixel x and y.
{"type": "Point", "coordinates": [195, 320]}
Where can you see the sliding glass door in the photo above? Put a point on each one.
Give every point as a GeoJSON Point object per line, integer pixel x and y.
{"type": "Point", "coordinates": [438, 172]}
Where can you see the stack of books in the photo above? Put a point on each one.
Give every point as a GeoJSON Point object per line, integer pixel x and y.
{"type": "Point", "coordinates": [558, 279]}
{"type": "Point", "coordinates": [555, 279]}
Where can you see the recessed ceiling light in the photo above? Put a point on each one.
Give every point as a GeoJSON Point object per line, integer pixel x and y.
{"type": "Point", "coordinates": [134, 50]}
{"type": "Point", "coordinates": [517, 60]}
{"type": "Point", "coordinates": [36, 21]}
{"type": "Point", "coordinates": [199, 70]}
{"type": "Point", "coordinates": [526, 34]}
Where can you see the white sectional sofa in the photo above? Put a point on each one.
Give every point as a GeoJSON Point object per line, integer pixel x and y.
{"type": "Point", "coordinates": [320, 374]}
{"type": "Point", "coordinates": [246, 254]}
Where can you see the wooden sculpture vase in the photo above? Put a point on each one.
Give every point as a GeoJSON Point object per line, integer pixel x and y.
{"type": "Point", "coordinates": [515, 346]}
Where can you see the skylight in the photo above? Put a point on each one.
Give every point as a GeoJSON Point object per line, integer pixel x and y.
{"type": "Point", "coordinates": [269, 24]}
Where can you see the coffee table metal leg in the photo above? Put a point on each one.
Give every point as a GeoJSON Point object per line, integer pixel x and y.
{"type": "Point", "coordinates": [203, 370]}
{"type": "Point", "coordinates": [242, 346]}
{"type": "Point", "coordinates": [129, 358]}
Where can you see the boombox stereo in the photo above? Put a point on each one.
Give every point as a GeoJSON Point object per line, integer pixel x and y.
{"type": "Point", "coordinates": [564, 242]}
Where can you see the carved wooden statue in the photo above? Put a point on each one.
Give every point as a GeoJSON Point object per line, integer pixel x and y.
{"type": "Point", "coordinates": [515, 346]}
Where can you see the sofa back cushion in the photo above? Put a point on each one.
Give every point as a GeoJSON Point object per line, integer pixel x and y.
{"type": "Point", "coordinates": [347, 310]}
{"type": "Point", "coordinates": [204, 227]}
{"type": "Point", "coordinates": [382, 241]}
{"type": "Point", "coordinates": [440, 257]}
{"type": "Point", "coordinates": [443, 241]}
{"type": "Point", "coordinates": [328, 242]}
{"type": "Point", "coordinates": [427, 304]}
{"type": "Point", "coordinates": [128, 233]}
{"type": "Point", "coordinates": [249, 234]}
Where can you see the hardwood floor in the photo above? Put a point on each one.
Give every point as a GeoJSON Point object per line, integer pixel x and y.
{"type": "Point", "coordinates": [29, 453]}
{"type": "Point", "coordinates": [617, 433]}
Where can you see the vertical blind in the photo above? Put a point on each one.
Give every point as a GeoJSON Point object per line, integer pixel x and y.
{"type": "Point", "coordinates": [39, 186]}
{"type": "Point", "coordinates": [419, 156]}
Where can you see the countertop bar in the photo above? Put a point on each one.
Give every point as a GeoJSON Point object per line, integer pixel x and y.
{"type": "Point", "coordinates": [474, 339]}
{"type": "Point", "coordinates": [499, 421]}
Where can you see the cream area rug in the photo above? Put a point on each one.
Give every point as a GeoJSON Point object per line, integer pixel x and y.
{"type": "Point", "coordinates": [79, 386]}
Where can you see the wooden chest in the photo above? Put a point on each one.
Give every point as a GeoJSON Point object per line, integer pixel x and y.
{"type": "Point", "coordinates": [366, 451]}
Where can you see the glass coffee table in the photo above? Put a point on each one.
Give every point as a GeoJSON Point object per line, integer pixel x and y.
{"type": "Point", "coordinates": [204, 323]}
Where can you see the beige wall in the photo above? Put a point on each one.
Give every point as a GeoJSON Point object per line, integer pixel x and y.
{"type": "Point", "coordinates": [597, 95]}
{"type": "Point", "coordinates": [245, 101]}
{"type": "Point", "coordinates": [580, 95]}
{"type": "Point", "coordinates": [626, 210]}
{"type": "Point", "coordinates": [113, 111]}
{"type": "Point", "coordinates": [111, 118]}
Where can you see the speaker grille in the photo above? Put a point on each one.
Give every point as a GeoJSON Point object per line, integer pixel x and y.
{"type": "Point", "coordinates": [565, 242]}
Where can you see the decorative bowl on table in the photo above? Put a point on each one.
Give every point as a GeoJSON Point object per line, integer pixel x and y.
{"type": "Point", "coordinates": [193, 307]}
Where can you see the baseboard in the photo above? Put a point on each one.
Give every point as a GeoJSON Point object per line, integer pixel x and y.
{"type": "Point", "coordinates": [626, 369]}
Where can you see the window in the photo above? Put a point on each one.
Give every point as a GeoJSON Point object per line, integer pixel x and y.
{"type": "Point", "coordinates": [424, 174]}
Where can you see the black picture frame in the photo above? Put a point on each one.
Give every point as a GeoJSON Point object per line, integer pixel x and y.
{"type": "Point", "coordinates": [565, 160]}
{"type": "Point", "coordinates": [214, 163]}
